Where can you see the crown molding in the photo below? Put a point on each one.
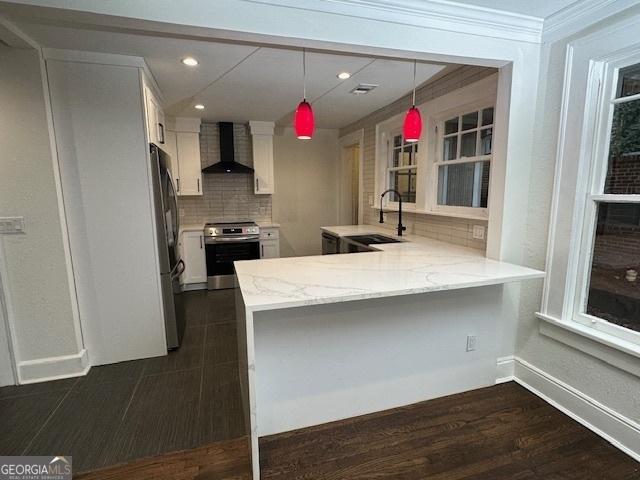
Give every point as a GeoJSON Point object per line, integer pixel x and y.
{"type": "Point", "coordinates": [436, 14]}
{"type": "Point", "coordinates": [580, 15]}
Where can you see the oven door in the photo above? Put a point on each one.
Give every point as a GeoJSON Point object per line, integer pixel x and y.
{"type": "Point", "coordinates": [220, 256]}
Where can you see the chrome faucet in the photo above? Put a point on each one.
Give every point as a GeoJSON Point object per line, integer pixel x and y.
{"type": "Point", "coordinates": [401, 228]}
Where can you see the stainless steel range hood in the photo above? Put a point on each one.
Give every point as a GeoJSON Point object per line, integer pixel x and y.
{"type": "Point", "coordinates": [227, 163]}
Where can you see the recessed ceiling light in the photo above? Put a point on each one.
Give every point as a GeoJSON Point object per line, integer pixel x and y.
{"type": "Point", "coordinates": [190, 61]}
{"type": "Point", "coordinates": [344, 75]}
{"type": "Point", "coordinates": [199, 106]}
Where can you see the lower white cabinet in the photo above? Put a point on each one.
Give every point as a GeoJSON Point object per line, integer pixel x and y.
{"type": "Point", "coordinates": [269, 242]}
{"type": "Point", "coordinates": [193, 254]}
{"type": "Point", "coordinates": [269, 248]}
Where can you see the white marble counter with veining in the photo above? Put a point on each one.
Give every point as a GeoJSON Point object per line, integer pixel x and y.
{"type": "Point", "coordinates": [416, 265]}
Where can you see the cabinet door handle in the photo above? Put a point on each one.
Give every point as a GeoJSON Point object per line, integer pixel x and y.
{"type": "Point", "coordinates": [262, 246]}
{"type": "Point", "coordinates": [201, 242]}
{"type": "Point", "coordinates": [198, 184]}
{"type": "Point", "coordinates": [177, 184]}
{"type": "Point", "coordinates": [257, 184]}
{"type": "Point", "coordinates": [161, 139]}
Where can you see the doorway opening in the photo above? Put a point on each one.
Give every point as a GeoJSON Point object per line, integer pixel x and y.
{"type": "Point", "coordinates": [350, 201]}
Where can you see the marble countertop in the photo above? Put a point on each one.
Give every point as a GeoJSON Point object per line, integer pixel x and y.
{"type": "Point", "coordinates": [416, 265]}
{"type": "Point", "coordinates": [191, 227]}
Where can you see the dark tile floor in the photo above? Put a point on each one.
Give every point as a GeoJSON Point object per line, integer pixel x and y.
{"type": "Point", "coordinates": [132, 410]}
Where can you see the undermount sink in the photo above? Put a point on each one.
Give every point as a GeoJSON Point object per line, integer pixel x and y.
{"type": "Point", "coordinates": [372, 239]}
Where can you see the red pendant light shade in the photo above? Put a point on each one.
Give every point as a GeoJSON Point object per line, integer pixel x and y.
{"type": "Point", "coordinates": [412, 127]}
{"type": "Point", "coordinates": [303, 121]}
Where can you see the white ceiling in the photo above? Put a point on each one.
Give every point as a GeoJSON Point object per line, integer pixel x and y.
{"type": "Point", "coordinates": [533, 8]}
{"type": "Point", "coordinates": [240, 82]}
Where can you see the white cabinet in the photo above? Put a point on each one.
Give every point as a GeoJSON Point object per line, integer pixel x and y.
{"type": "Point", "coordinates": [192, 252]}
{"type": "Point", "coordinates": [187, 163]}
{"type": "Point", "coordinates": [269, 242]}
{"type": "Point", "coordinates": [262, 139]}
{"type": "Point", "coordinates": [190, 167]}
{"type": "Point", "coordinates": [154, 116]}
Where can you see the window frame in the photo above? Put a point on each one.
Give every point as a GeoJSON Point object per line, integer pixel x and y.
{"type": "Point", "coordinates": [603, 80]}
{"type": "Point", "coordinates": [438, 160]}
{"type": "Point", "coordinates": [477, 94]}
{"type": "Point", "coordinates": [391, 201]}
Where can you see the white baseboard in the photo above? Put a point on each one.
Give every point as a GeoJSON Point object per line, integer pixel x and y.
{"type": "Point", "coordinates": [620, 431]}
{"type": "Point", "coordinates": [53, 368]}
{"type": "Point", "coordinates": [505, 369]}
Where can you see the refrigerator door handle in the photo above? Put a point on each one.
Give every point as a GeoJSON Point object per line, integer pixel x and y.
{"type": "Point", "coordinates": [178, 269]}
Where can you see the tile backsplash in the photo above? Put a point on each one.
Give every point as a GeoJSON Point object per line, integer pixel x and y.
{"type": "Point", "coordinates": [225, 197]}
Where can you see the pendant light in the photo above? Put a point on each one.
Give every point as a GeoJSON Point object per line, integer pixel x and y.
{"type": "Point", "coordinates": [412, 127]}
{"type": "Point", "coordinates": [303, 119]}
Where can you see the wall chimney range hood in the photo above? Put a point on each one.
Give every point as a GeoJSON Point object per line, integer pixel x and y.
{"type": "Point", "coordinates": [227, 163]}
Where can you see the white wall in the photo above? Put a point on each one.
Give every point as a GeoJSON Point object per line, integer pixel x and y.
{"type": "Point", "coordinates": [602, 382]}
{"type": "Point", "coordinates": [306, 189]}
{"type": "Point", "coordinates": [37, 284]}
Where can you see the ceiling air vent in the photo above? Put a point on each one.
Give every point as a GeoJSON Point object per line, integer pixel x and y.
{"type": "Point", "coordinates": [363, 88]}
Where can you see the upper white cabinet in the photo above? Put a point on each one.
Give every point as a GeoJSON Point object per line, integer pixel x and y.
{"type": "Point", "coordinates": [262, 138]}
{"type": "Point", "coordinates": [154, 116]}
{"type": "Point", "coordinates": [186, 135]}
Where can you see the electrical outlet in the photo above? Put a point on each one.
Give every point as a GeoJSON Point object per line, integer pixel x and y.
{"type": "Point", "coordinates": [471, 343]}
{"type": "Point", "coordinates": [478, 232]}
{"type": "Point", "coordinates": [9, 225]}
{"type": "Point", "coordinates": [371, 200]}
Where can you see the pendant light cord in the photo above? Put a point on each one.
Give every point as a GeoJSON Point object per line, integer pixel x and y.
{"type": "Point", "coordinates": [414, 83]}
{"type": "Point", "coordinates": [304, 74]}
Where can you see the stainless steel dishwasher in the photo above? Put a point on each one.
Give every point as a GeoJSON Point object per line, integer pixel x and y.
{"type": "Point", "coordinates": [330, 244]}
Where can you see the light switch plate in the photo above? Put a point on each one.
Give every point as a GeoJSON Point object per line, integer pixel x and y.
{"type": "Point", "coordinates": [478, 232]}
{"type": "Point", "coordinates": [11, 225]}
{"type": "Point", "coordinates": [472, 341]}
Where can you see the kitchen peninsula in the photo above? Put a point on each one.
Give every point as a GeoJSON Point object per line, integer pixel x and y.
{"type": "Point", "coordinates": [324, 338]}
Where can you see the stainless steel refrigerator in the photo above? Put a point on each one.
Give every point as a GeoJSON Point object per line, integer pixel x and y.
{"type": "Point", "coordinates": [171, 265]}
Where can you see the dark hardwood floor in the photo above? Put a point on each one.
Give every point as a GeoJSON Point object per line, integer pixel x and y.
{"type": "Point", "coordinates": [501, 432]}
{"type": "Point", "coordinates": [179, 417]}
{"type": "Point", "coordinates": [227, 459]}
{"type": "Point", "coordinates": [132, 410]}
{"type": "Point", "coordinates": [497, 433]}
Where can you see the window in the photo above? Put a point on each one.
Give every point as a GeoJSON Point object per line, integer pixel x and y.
{"type": "Point", "coordinates": [610, 300]}
{"type": "Point", "coordinates": [402, 167]}
{"type": "Point", "coordinates": [464, 160]}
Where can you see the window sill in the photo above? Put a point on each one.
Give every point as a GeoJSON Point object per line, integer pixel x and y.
{"type": "Point", "coordinates": [606, 347]}
{"type": "Point", "coordinates": [433, 212]}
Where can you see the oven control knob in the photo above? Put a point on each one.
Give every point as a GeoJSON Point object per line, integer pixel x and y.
{"type": "Point", "coordinates": [216, 231]}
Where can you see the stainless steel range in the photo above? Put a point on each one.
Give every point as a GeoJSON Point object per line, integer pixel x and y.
{"type": "Point", "coordinates": [226, 243]}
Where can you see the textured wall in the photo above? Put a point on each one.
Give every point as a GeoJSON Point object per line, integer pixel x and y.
{"type": "Point", "coordinates": [603, 382]}
{"type": "Point", "coordinates": [306, 189]}
{"type": "Point", "coordinates": [37, 288]}
{"type": "Point", "coordinates": [225, 197]}
{"type": "Point", "coordinates": [454, 230]}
